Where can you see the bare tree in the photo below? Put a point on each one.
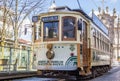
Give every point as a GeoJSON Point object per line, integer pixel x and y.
{"type": "Point", "coordinates": [23, 8]}
{"type": "Point", "coordinates": [17, 11]}
{"type": "Point", "coordinates": [5, 23]}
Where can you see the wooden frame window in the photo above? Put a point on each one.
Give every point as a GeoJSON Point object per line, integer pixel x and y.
{"type": "Point", "coordinates": [51, 30]}
{"type": "Point", "coordinates": [84, 31]}
{"type": "Point", "coordinates": [69, 28]}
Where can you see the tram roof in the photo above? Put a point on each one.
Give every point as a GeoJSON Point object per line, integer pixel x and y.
{"type": "Point", "coordinates": [66, 8]}
{"type": "Point", "coordinates": [82, 12]}
{"type": "Point", "coordinates": [94, 19]}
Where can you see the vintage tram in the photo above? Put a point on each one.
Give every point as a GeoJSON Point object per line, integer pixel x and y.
{"type": "Point", "coordinates": [70, 42]}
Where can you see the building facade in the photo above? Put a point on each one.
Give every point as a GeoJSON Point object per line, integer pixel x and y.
{"type": "Point", "coordinates": [117, 39]}
{"type": "Point", "coordinates": [22, 59]}
{"type": "Point", "coordinates": [112, 22]}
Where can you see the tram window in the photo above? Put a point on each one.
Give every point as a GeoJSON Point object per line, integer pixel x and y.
{"type": "Point", "coordinates": [84, 31]}
{"type": "Point", "coordinates": [94, 56]}
{"type": "Point", "coordinates": [50, 29]}
{"type": "Point", "coordinates": [81, 49]}
{"type": "Point", "coordinates": [68, 27]}
{"type": "Point", "coordinates": [80, 24]}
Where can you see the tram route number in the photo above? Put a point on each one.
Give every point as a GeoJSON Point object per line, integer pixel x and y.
{"type": "Point", "coordinates": [58, 63]}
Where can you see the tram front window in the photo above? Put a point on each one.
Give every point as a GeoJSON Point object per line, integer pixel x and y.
{"type": "Point", "coordinates": [50, 30]}
{"type": "Point", "coordinates": [68, 28]}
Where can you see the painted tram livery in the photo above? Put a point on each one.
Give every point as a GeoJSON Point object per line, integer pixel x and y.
{"type": "Point", "coordinates": [70, 42]}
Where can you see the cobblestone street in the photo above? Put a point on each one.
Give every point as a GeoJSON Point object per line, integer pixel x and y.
{"type": "Point", "coordinates": [113, 75]}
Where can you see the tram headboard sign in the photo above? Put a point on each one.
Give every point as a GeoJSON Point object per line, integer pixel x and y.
{"type": "Point", "coordinates": [50, 18]}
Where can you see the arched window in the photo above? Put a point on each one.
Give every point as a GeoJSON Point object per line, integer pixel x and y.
{"type": "Point", "coordinates": [68, 28]}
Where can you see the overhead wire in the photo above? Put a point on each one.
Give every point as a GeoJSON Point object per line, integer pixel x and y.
{"type": "Point", "coordinates": [79, 4]}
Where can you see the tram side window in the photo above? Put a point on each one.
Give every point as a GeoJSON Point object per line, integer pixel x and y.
{"type": "Point", "coordinates": [68, 27]}
{"type": "Point", "coordinates": [81, 49]}
{"type": "Point", "coordinates": [85, 30]}
{"type": "Point", "coordinates": [80, 24]}
{"type": "Point", "coordinates": [94, 56]}
{"type": "Point", "coordinates": [51, 29]}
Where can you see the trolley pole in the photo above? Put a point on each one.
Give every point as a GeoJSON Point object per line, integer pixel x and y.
{"type": "Point", "coordinates": [79, 4]}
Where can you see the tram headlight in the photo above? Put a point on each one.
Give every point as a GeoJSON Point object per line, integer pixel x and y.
{"type": "Point", "coordinates": [50, 54]}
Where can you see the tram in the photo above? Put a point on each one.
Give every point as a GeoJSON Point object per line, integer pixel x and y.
{"type": "Point", "coordinates": [68, 41]}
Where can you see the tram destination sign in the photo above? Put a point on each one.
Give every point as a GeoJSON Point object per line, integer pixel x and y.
{"type": "Point", "coordinates": [50, 18]}
{"type": "Point", "coordinates": [58, 63]}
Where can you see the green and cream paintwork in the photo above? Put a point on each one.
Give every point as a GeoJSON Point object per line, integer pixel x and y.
{"type": "Point", "coordinates": [62, 59]}
{"type": "Point", "coordinates": [63, 49]}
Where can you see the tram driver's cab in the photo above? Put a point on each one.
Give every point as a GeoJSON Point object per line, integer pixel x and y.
{"type": "Point", "coordinates": [58, 28]}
